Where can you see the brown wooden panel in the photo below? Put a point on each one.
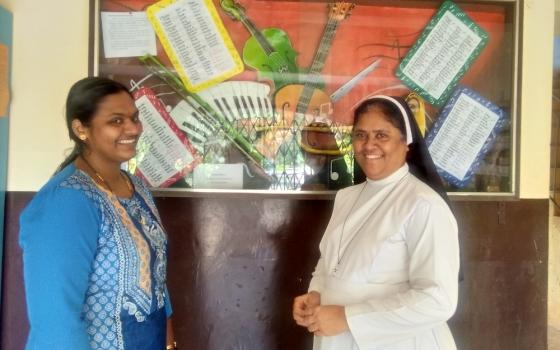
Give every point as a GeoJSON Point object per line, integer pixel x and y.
{"type": "Point", "coordinates": [14, 326]}
{"type": "Point", "coordinates": [237, 261]}
{"type": "Point", "coordinates": [235, 265]}
{"type": "Point", "coordinates": [503, 297]}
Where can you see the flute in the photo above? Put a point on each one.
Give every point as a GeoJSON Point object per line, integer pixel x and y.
{"type": "Point", "coordinates": [215, 118]}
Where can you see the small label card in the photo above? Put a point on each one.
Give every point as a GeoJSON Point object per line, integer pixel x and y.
{"type": "Point", "coordinates": [222, 176]}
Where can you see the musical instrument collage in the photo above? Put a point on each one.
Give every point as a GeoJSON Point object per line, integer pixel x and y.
{"type": "Point", "coordinates": [280, 115]}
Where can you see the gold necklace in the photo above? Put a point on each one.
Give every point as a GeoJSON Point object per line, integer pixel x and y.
{"type": "Point", "coordinates": [105, 183]}
{"type": "Point", "coordinates": [339, 257]}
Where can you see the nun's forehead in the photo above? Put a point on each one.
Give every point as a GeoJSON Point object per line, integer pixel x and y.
{"type": "Point", "coordinates": [376, 108]}
{"type": "Point", "coordinates": [377, 112]}
{"type": "Point", "coordinates": [402, 108]}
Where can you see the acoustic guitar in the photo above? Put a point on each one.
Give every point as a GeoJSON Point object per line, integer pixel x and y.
{"type": "Point", "coordinates": [295, 103]}
{"type": "Point", "coordinates": [268, 51]}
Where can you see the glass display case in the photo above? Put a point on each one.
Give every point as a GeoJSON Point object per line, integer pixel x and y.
{"type": "Point", "coordinates": [255, 95]}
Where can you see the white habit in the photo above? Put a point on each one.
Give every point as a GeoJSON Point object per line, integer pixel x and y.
{"type": "Point", "coordinates": [395, 267]}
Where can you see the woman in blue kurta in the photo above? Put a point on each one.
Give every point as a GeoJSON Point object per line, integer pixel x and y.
{"type": "Point", "coordinates": [94, 249]}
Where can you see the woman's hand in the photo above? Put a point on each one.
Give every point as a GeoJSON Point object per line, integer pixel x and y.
{"type": "Point", "coordinates": [327, 320]}
{"type": "Point", "coordinates": [304, 306]}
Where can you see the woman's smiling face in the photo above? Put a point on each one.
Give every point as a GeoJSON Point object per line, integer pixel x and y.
{"type": "Point", "coordinates": [114, 129]}
{"type": "Point", "coordinates": [379, 147]}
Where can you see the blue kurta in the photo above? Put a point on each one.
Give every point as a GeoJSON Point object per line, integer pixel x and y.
{"type": "Point", "coordinates": [94, 267]}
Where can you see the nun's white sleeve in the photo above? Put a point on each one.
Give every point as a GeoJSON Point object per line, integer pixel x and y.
{"type": "Point", "coordinates": [317, 281]}
{"type": "Point", "coordinates": [433, 248]}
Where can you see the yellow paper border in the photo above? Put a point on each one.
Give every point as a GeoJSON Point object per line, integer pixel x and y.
{"type": "Point", "coordinates": [151, 12]}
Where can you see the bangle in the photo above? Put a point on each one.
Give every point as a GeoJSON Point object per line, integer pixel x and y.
{"type": "Point", "coordinates": [171, 346]}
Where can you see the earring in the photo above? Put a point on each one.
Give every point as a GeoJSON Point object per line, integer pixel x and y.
{"type": "Point", "coordinates": [82, 137]}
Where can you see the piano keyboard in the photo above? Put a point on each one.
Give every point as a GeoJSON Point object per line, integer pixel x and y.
{"type": "Point", "coordinates": [238, 101]}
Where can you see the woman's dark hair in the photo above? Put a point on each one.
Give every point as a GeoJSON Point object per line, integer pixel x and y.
{"type": "Point", "coordinates": [82, 102]}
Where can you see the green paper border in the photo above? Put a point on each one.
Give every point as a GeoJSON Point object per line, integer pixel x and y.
{"type": "Point", "coordinates": [447, 6]}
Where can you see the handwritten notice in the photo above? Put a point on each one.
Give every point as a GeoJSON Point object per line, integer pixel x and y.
{"type": "Point", "coordinates": [164, 155]}
{"type": "Point", "coordinates": [196, 42]}
{"type": "Point", "coordinates": [4, 75]}
{"type": "Point", "coordinates": [442, 54]}
{"type": "Point", "coordinates": [127, 34]}
{"type": "Point", "coordinates": [463, 134]}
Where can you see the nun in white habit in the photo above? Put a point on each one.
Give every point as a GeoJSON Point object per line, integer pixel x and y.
{"type": "Point", "coordinates": [387, 277]}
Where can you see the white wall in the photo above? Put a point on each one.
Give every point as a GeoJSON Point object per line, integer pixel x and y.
{"type": "Point", "coordinates": [554, 241]}
{"type": "Point", "coordinates": [538, 29]}
{"type": "Point", "coordinates": [50, 53]}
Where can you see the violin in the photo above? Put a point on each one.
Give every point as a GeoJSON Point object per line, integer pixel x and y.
{"type": "Point", "coordinates": [269, 51]}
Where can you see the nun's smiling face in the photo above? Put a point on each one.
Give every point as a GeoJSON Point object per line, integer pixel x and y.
{"type": "Point", "coordinates": [379, 147]}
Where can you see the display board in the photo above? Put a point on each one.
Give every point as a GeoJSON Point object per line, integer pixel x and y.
{"type": "Point", "coordinates": [5, 58]}
{"type": "Point", "coordinates": [263, 92]}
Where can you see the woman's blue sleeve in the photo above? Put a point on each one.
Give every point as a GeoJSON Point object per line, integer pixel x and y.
{"type": "Point", "coordinates": [168, 308]}
{"type": "Point", "coordinates": [58, 234]}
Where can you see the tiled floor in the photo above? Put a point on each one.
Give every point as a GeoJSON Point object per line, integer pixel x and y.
{"type": "Point", "coordinates": [553, 338]}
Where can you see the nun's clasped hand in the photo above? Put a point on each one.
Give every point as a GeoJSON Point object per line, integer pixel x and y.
{"type": "Point", "coordinates": [321, 320]}
{"type": "Point", "coordinates": [304, 305]}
